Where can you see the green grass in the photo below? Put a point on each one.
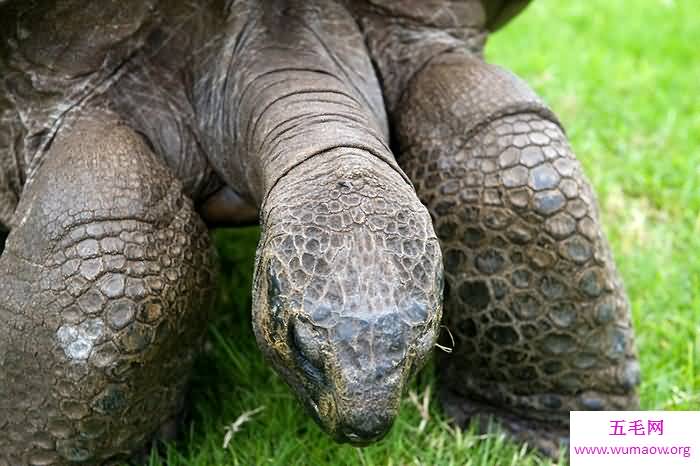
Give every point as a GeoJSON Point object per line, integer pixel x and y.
{"type": "Point", "coordinates": [625, 79]}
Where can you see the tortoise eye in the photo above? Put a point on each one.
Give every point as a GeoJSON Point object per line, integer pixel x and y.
{"type": "Point", "coordinates": [305, 346]}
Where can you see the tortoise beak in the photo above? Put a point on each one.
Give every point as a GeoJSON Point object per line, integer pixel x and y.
{"type": "Point", "coordinates": [365, 429]}
{"type": "Point", "coordinates": [367, 403]}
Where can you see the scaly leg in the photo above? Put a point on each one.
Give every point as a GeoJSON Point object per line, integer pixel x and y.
{"type": "Point", "coordinates": [537, 309]}
{"type": "Point", "coordinates": [104, 293]}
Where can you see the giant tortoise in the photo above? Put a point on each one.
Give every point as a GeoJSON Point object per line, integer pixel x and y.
{"type": "Point", "coordinates": [389, 166]}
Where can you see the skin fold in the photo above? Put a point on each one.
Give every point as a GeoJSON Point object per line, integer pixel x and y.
{"type": "Point", "coordinates": [391, 170]}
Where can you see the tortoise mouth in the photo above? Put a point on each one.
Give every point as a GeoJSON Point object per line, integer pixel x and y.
{"type": "Point", "coordinates": [359, 428]}
{"type": "Point", "coordinates": [369, 430]}
{"type": "Point", "coordinates": [351, 416]}
{"type": "Point", "coordinates": [347, 415]}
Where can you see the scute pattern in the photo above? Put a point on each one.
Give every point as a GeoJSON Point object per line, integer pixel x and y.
{"type": "Point", "coordinates": [111, 306]}
{"type": "Point", "coordinates": [327, 242]}
{"type": "Point", "coordinates": [533, 300]}
{"type": "Point", "coordinates": [535, 305]}
{"type": "Point", "coordinates": [350, 266]}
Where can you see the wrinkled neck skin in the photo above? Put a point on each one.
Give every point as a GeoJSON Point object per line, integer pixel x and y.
{"type": "Point", "coordinates": [274, 93]}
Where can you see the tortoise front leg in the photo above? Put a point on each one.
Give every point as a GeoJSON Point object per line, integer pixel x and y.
{"type": "Point", "coordinates": [104, 287]}
{"type": "Point", "coordinates": [538, 311]}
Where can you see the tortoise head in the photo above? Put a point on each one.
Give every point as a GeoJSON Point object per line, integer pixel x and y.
{"type": "Point", "coordinates": [348, 292]}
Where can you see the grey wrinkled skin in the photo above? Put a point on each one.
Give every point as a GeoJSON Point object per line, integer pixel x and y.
{"type": "Point", "coordinates": [127, 129]}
